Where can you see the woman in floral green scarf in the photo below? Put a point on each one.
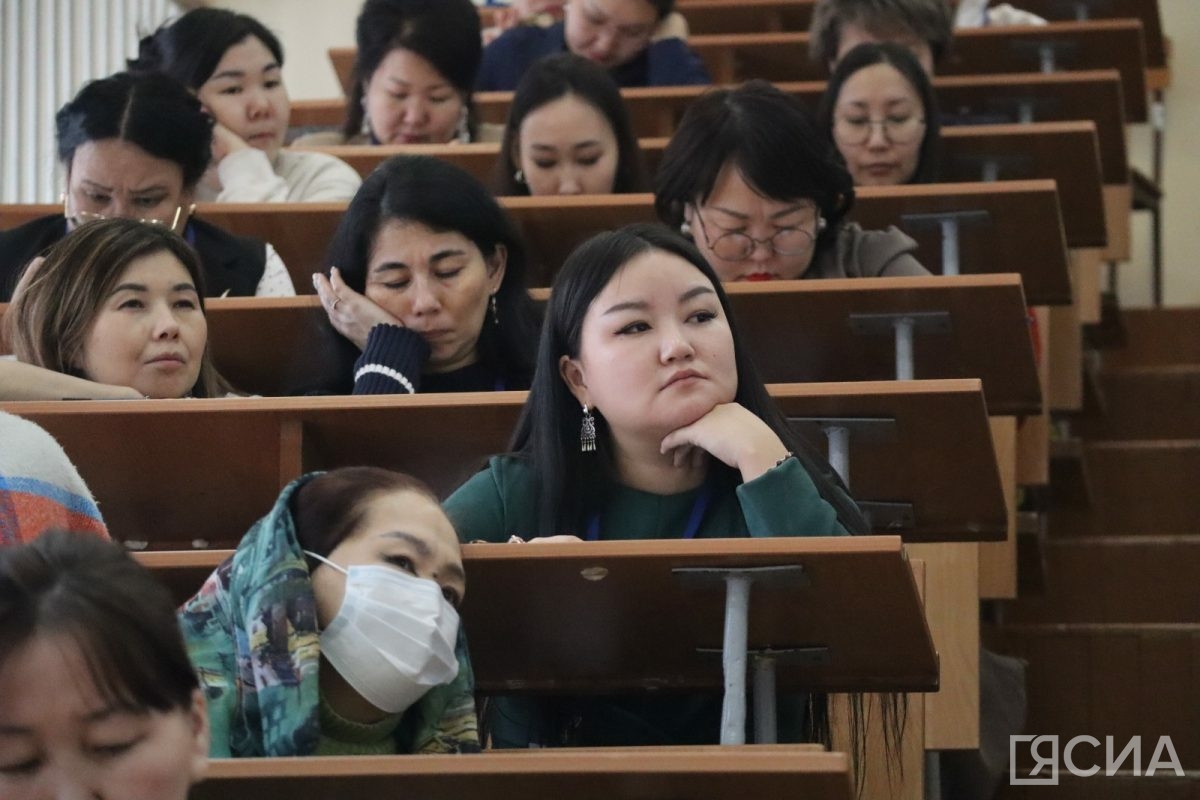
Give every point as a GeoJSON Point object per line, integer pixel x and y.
{"type": "Point", "coordinates": [338, 553]}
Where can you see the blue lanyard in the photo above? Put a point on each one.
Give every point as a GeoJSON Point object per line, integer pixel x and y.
{"type": "Point", "coordinates": [699, 506]}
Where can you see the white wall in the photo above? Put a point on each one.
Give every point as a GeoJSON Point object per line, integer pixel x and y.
{"type": "Point", "coordinates": [1181, 172]}
{"type": "Point", "coordinates": [48, 49]}
{"type": "Point", "coordinates": [307, 29]}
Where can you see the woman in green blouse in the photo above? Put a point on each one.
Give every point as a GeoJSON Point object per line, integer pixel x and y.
{"type": "Point", "coordinates": [646, 420]}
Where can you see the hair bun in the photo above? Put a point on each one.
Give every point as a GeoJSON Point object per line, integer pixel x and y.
{"type": "Point", "coordinates": [149, 57]}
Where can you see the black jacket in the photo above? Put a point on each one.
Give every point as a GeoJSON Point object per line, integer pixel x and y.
{"type": "Point", "coordinates": [233, 265]}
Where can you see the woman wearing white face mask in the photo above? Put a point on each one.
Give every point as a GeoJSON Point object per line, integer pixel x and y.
{"type": "Point", "coordinates": [322, 603]}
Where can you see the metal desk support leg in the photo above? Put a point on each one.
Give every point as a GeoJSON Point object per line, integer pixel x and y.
{"type": "Point", "coordinates": [902, 326]}
{"type": "Point", "coordinates": [933, 775]}
{"type": "Point", "coordinates": [950, 224]}
{"type": "Point", "coordinates": [950, 263]}
{"type": "Point", "coordinates": [737, 623]}
{"type": "Point", "coordinates": [735, 648]}
{"type": "Point", "coordinates": [991, 171]}
{"type": "Point", "coordinates": [765, 729]}
{"type": "Point", "coordinates": [839, 450]}
{"type": "Point", "coordinates": [905, 369]}
{"type": "Point", "coordinates": [1047, 59]}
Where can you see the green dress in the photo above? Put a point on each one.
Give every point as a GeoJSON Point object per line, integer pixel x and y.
{"type": "Point", "coordinates": [500, 502]}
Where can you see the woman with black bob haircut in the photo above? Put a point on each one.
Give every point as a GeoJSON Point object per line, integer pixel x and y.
{"type": "Point", "coordinates": [413, 74]}
{"type": "Point", "coordinates": [234, 64]}
{"type": "Point", "coordinates": [136, 145]}
{"type": "Point", "coordinates": [646, 419]}
{"type": "Point", "coordinates": [880, 112]}
{"type": "Point", "coordinates": [568, 132]}
{"type": "Point", "coordinates": [426, 287]}
{"type": "Point", "coordinates": [757, 186]}
{"type": "Point", "coordinates": [97, 695]}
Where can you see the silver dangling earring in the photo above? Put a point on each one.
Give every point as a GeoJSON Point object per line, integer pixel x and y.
{"type": "Point", "coordinates": [685, 229]}
{"type": "Point", "coordinates": [495, 314]}
{"type": "Point", "coordinates": [519, 176]}
{"type": "Point", "coordinates": [464, 128]}
{"type": "Point", "coordinates": [820, 224]}
{"type": "Point", "coordinates": [587, 432]}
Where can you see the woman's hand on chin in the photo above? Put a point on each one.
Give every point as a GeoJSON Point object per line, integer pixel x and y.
{"type": "Point", "coordinates": [351, 314]}
{"type": "Point", "coordinates": [731, 434]}
{"type": "Point", "coordinates": [224, 142]}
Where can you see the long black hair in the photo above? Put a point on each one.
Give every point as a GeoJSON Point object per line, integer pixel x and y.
{"type": "Point", "coordinates": [900, 57]}
{"type": "Point", "coordinates": [442, 197]}
{"type": "Point", "coordinates": [190, 48]}
{"type": "Point", "coordinates": [571, 484]}
{"type": "Point", "coordinates": [773, 141]}
{"type": "Point", "coordinates": [558, 76]}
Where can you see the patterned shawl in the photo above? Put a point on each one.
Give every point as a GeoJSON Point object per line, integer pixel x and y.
{"type": "Point", "coordinates": [252, 635]}
{"type": "Point", "coordinates": [40, 489]}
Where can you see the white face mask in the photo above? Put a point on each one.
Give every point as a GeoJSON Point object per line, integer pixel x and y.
{"type": "Point", "coordinates": [393, 638]}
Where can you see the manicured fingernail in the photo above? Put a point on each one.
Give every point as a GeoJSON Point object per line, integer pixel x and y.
{"type": "Point", "coordinates": [315, 284]}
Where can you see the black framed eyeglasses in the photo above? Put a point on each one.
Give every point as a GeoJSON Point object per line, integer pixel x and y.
{"type": "Point", "coordinates": [738, 246]}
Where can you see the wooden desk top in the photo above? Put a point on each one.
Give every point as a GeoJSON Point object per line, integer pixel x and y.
{"type": "Point", "coordinates": [1145, 10]}
{"type": "Point", "coordinates": [1066, 152]}
{"type": "Point", "coordinates": [167, 472]}
{"type": "Point", "coordinates": [797, 332]}
{"type": "Point", "coordinates": [1025, 233]}
{"type": "Point", "coordinates": [800, 331]}
{"type": "Point", "coordinates": [1096, 44]}
{"type": "Point", "coordinates": [1054, 150]}
{"type": "Point", "coordinates": [783, 56]}
{"type": "Point", "coordinates": [1024, 229]}
{"type": "Point", "coordinates": [702, 773]}
{"type": "Point", "coordinates": [580, 621]}
{"type": "Point", "coordinates": [1055, 97]}
{"type": "Point", "coordinates": [755, 16]}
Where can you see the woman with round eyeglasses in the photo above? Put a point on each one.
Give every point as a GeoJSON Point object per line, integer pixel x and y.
{"type": "Point", "coordinates": [763, 196]}
{"type": "Point", "coordinates": [880, 113]}
{"type": "Point", "coordinates": [136, 146]}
